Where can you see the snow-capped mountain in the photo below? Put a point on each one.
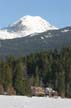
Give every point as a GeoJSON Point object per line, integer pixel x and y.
{"type": "Point", "coordinates": [31, 35]}
{"type": "Point", "coordinates": [52, 39]}
{"type": "Point", "coordinates": [27, 25]}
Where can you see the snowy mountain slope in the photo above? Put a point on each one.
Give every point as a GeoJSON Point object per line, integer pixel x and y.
{"type": "Point", "coordinates": [33, 102]}
{"type": "Point", "coordinates": [33, 39]}
{"type": "Point", "coordinates": [53, 39]}
{"type": "Point", "coordinates": [25, 26]}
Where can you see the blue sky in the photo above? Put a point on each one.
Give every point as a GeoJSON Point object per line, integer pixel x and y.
{"type": "Point", "coordinates": [57, 12]}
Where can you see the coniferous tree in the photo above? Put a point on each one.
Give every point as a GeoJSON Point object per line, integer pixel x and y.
{"type": "Point", "coordinates": [7, 76]}
{"type": "Point", "coordinates": [19, 78]}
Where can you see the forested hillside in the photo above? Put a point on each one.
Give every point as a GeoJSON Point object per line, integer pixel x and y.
{"type": "Point", "coordinates": [45, 69]}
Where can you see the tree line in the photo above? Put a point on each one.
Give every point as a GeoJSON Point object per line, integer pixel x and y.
{"type": "Point", "coordinates": [45, 69]}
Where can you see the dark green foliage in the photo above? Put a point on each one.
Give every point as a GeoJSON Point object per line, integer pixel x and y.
{"type": "Point", "coordinates": [19, 78]}
{"type": "Point", "coordinates": [6, 75]}
{"type": "Point", "coordinates": [21, 82]}
{"type": "Point", "coordinates": [47, 69]}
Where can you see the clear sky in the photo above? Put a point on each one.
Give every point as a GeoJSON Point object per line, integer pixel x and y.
{"type": "Point", "coordinates": [57, 12]}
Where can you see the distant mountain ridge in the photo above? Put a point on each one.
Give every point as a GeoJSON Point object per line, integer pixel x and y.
{"type": "Point", "coordinates": [32, 44]}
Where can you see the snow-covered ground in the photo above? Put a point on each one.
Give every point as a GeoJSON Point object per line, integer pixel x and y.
{"type": "Point", "coordinates": [33, 102]}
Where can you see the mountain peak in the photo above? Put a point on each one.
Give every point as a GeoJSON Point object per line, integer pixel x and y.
{"type": "Point", "coordinates": [34, 22]}
{"type": "Point", "coordinates": [25, 26]}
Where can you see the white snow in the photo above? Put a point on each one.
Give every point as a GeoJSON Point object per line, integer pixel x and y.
{"type": "Point", "coordinates": [42, 37]}
{"type": "Point", "coordinates": [49, 35]}
{"type": "Point", "coordinates": [33, 102]}
{"type": "Point", "coordinates": [25, 26]}
{"type": "Point", "coordinates": [65, 30]}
